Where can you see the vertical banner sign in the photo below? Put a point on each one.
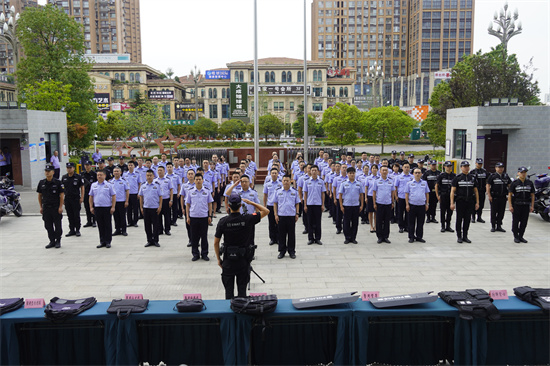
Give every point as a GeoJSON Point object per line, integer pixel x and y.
{"type": "Point", "coordinates": [33, 152]}
{"type": "Point", "coordinates": [42, 151]}
{"type": "Point", "coordinates": [239, 100]}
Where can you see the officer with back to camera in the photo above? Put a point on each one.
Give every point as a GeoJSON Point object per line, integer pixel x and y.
{"type": "Point", "coordinates": [50, 198]}
{"type": "Point", "coordinates": [465, 197]}
{"type": "Point", "coordinates": [521, 201]}
{"type": "Point", "coordinates": [497, 192]}
{"type": "Point", "coordinates": [481, 176]}
{"type": "Point", "coordinates": [236, 251]}
{"type": "Point", "coordinates": [74, 194]}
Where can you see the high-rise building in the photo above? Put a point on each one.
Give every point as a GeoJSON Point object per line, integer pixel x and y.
{"type": "Point", "coordinates": [110, 26]}
{"type": "Point", "coordinates": [6, 53]}
{"type": "Point", "coordinates": [406, 38]}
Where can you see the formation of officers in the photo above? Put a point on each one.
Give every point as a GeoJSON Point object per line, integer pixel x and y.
{"type": "Point", "coordinates": [375, 191]}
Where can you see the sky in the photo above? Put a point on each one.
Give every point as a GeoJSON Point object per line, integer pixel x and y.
{"type": "Point", "coordinates": [211, 33]}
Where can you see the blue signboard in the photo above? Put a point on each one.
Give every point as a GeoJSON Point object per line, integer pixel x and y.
{"type": "Point", "coordinates": [218, 74]}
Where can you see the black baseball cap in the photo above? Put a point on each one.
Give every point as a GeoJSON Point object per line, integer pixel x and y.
{"type": "Point", "coordinates": [234, 200]}
{"type": "Point", "coordinates": [433, 162]}
{"type": "Point", "coordinates": [465, 163]}
{"type": "Point", "coordinates": [522, 169]}
{"type": "Point", "coordinates": [499, 164]}
{"type": "Point", "coordinates": [447, 163]}
{"type": "Point", "coordinates": [121, 157]}
{"type": "Point", "coordinates": [49, 167]}
{"type": "Point", "coordinates": [420, 161]}
{"type": "Point", "coordinates": [87, 162]}
{"type": "Point", "coordinates": [110, 158]}
{"type": "Point", "coordinates": [402, 153]}
{"type": "Point", "coordinates": [394, 152]}
{"type": "Point", "coordinates": [479, 160]}
{"type": "Point", "coordinates": [101, 160]}
{"type": "Point", "coordinates": [70, 165]}
{"type": "Point", "coordinates": [411, 155]}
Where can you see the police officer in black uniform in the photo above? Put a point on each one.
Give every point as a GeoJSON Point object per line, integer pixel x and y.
{"type": "Point", "coordinates": [74, 194]}
{"type": "Point", "coordinates": [122, 165]}
{"type": "Point", "coordinates": [105, 169]}
{"type": "Point", "coordinates": [443, 194]}
{"type": "Point", "coordinates": [237, 252]}
{"type": "Point", "coordinates": [481, 176]}
{"type": "Point", "coordinates": [431, 176]}
{"type": "Point", "coordinates": [411, 162]}
{"type": "Point", "coordinates": [521, 201]}
{"type": "Point", "coordinates": [497, 192]}
{"type": "Point", "coordinates": [89, 177]}
{"type": "Point", "coordinates": [465, 197]}
{"type": "Point", "coordinates": [393, 158]}
{"type": "Point", "coordinates": [50, 197]}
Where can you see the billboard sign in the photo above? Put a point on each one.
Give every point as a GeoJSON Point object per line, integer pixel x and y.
{"type": "Point", "coordinates": [239, 100]}
{"type": "Point", "coordinates": [270, 90]}
{"type": "Point", "coordinates": [160, 94]}
{"type": "Point", "coordinates": [442, 75]}
{"type": "Point", "coordinates": [103, 102]}
{"type": "Point", "coordinates": [188, 107]}
{"type": "Point", "coordinates": [217, 74]}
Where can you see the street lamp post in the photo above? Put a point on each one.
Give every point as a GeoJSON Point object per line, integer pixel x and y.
{"type": "Point", "coordinates": [8, 29]}
{"type": "Point", "coordinates": [196, 76]}
{"type": "Point", "coordinates": [375, 75]}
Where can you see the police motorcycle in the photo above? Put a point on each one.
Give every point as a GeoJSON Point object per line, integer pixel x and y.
{"type": "Point", "coordinates": [9, 198]}
{"type": "Point", "coordinates": [542, 196]}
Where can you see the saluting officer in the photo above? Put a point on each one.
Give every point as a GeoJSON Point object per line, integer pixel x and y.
{"type": "Point", "coordinates": [122, 191]}
{"type": "Point", "coordinates": [417, 198]}
{"type": "Point", "coordinates": [270, 190]}
{"type": "Point", "coordinates": [286, 205]}
{"type": "Point", "coordinates": [74, 194]}
{"type": "Point", "coordinates": [465, 197]}
{"type": "Point", "coordinates": [199, 215]}
{"type": "Point", "coordinates": [314, 205]}
{"type": "Point", "coordinates": [431, 176]}
{"type": "Point", "coordinates": [150, 202]}
{"type": "Point", "coordinates": [481, 176]}
{"type": "Point", "coordinates": [521, 201]}
{"type": "Point", "coordinates": [443, 192]}
{"type": "Point", "coordinates": [351, 200]}
{"type": "Point", "coordinates": [382, 195]}
{"type": "Point", "coordinates": [50, 198]}
{"type": "Point", "coordinates": [497, 191]}
{"type": "Point", "coordinates": [134, 181]}
{"type": "Point", "coordinates": [237, 252]}
{"type": "Point", "coordinates": [89, 177]}
{"type": "Point", "coordinates": [102, 202]}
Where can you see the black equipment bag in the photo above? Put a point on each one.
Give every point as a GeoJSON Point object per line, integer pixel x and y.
{"type": "Point", "coordinates": [124, 307]}
{"type": "Point", "coordinates": [536, 296]}
{"type": "Point", "coordinates": [190, 306]}
{"type": "Point", "coordinates": [254, 305]}
{"type": "Point", "coordinates": [59, 310]}
{"type": "Point", "coordinates": [7, 305]}
{"type": "Point", "coordinates": [471, 304]}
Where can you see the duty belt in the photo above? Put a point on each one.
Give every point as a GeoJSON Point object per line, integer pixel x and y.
{"type": "Point", "coordinates": [536, 296]}
{"type": "Point", "coordinates": [471, 304]}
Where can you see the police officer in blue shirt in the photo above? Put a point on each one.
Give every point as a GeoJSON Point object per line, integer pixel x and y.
{"type": "Point", "coordinates": [50, 197]}
{"type": "Point", "coordinates": [89, 176]}
{"type": "Point", "coordinates": [150, 202]}
{"type": "Point", "coordinates": [400, 184]}
{"type": "Point", "coordinates": [286, 205]}
{"type": "Point", "coordinates": [417, 201]}
{"type": "Point", "coordinates": [270, 190]}
{"type": "Point", "coordinates": [102, 205]}
{"type": "Point", "coordinates": [336, 182]}
{"type": "Point", "coordinates": [184, 191]}
{"type": "Point", "coordinates": [122, 190]}
{"type": "Point", "coordinates": [351, 203]}
{"type": "Point", "coordinates": [199, 215]}
{"type": "Point", "coordinates": [134, 181]}
{"type": "Point", "coordinates": [382, 195]}
{"type": "Point", "coordinates": [167, 188]}
{"type": "Point", "coordinates": [314, 205]}
{"type": "Point", "coordinates": [176, 185]}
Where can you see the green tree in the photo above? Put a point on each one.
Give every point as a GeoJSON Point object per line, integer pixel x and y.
{"type": "Point", "coordinates": [145, 121]}
{"type": "Point", "coordinates": [139, 99]}
{"type": "Point", "coordinates": [270, 124]}
{"type": "Point", "coordinates": [232, 128]}
{"type": "Point", "coordinates": [435, 126]}
{"type": "Point", "coordinates": [169, 72]}
{"type": "Point", "coordinates": [47, 95]}
{"type": "Point", "coordinates": [341, 123]}
{"type": "Point", "coordinates": [387, 125]}
{"type": "Point", "coordinates": [113, 127]}
{"type": "Point", "coordinates": [313, 128]}
{"type": "Point", "coordinates": [205, 127]}
{"type": "Point", "coordinates": [53, 45]}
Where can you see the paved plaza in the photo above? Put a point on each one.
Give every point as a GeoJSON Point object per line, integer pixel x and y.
{"type": "Point", "coordinates": [78, 269]}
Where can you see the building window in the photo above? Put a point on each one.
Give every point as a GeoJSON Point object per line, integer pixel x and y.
{"type": "Point", "coordinates": [132, 93]}
{"type": "Point", "coordinates": [138, 78]}
{"type": "Point", "coordinates": [272, 77]}
{"type": "Point", "coordinates": [223, 93]}
{"type": "Point", "coordinates": [202, 93]}
{"type": "Point", "coordinates": [225, 110]}
{"type": "Point", "coordinates": [166, 111]}
{"type": "Point", "coordinates": [278, 106]}
{"type": "Point", "coordinates": [123, 77]}
{"type": "Point", "coordinates": [283, 77]}
{"type": "Point", "coordinates": [341, 92]}
{"type": "Point", "coordinates": [299, 77]}
{"type": "Point", "coordinates": [119, 93]}
{"type": "Point", "coordinates": [210, 93]}
{"type": "Point", "coordinates": [131, 77]}
{"type": "Point", "coordinates": [317, 107]}
{"type": "Point", "coordinates": [215, 93]}
{"type": "Point", "coordinates": [236, 76]}
{"type": "Point", "coordinates": [117, 76]}
{"type": "Point", "coordinates": [213, 111]}
{"type": "Point", "coordinates": [252, 76]}
{"type": "Point", "coordinates": [227, 92]}
{"type": "Point", "coordinates": [319, 75]}
{"type": "Point", "coordinates": [241, 76]}
{"type": "Point", "coordinates": [267, 76]}
{"type": "Point", "coordinates": [289, 77]}
{"type": "Point", "coordinates": [314, 75]}
{"type": "Point", "coordinates": [291, 106]}
{"type": "Point", "coordinates": [317, 92]}
{"type": "Point", "coordinates": [459, 137]}
{"type": "Point", "coordinates": [346, 91]}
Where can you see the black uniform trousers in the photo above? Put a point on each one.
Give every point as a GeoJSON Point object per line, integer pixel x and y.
{"type": "Point", "coordinates": [395, 212]}
{"type": "Point", "coordinates": [482, 196]}
{"type": "Point", "coordinates": [218, 199]}
{"type": "Point", "coordinates": [132, 211]}
{"type": "Point", "coordinates": [383, 217]}
{"type": "Point", "coordinates": [445, 207]}
{"type": "Point", "coordinates": [164, 217]}
{"type": "Point", "coordinates": [120, 217]}
{"type": "Point", "coordinates": [332, 209]}
{"type": "Point", "coordinates": [239, 270]}
{"type": "Point", "coordinates": [402, 214]}
{"type": "Point", "coordinates": [151, 222]}
{"type": "Point", "coordinates": [187, 226]}
{"type": "Point", "coordinates": [520, 216]}
{"type": "Point", "coordinates": [432, 206]}
{"type": "Point", "coordinates": [199, 232]}
{"type": "Point", "coordinates": [273, 230]}
{"type": "Point", "coordinates": [417, 216]}
{"type": "Point", "coordinates": [52, 222]}
{"type": "Point", "coordinates": [305, 220]}
{"type": "Point", "coordinates": [498, 207]}
{"type": "Point", "coordinates": [104, 224]}
{"type": "Point", "coordinates": [287, 234]}
{"type": "Point", "coordinates": [314, 222]}
{"type": "Point", "coordinates": [351, 222]}
{"type": "Point", "coordinates": [90, 218]}
{"type": "Point", "coordinates": [464, 211]}
{"type": "Point", "coordinates": [72, 206]}
{"type": "Point", "coordinates": [339, 216]}
{"type": "Point", "coordinates": [56, 173]}
{"type": "Point", "coordinates": [175, 209]}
